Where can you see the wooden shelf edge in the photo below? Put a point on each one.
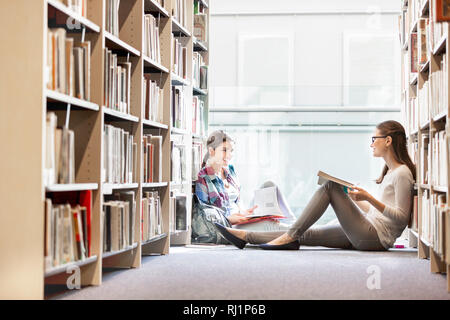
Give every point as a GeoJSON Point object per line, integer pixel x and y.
{"type": "Point", "coordinates": [425, 67]}
{"type": "Point", "coordinates": [424, 9]}
{"type": "Point", "coordinates": [442, 189]}
{"type": "Point", "coordinates": [154, 184]}
{"type": "Point", "coordinates": [179, 81]}
{"type": "Point", "coordinates": [62, 268]}
{"type": "Point", "coordinates": [119, 115]}
{"type": "Point", "coordinates": [179, 28]}
{"type": "Point", "coordinates": [201, 46]}
{"type": "Point", "coordinates": [154, 239]}
{"type": "Point", "coordinates": [114, 253]}
{"type": "Point", "coordinates": [199, 91]}
{"type": "Point", "coordinates": [154, 124]}
{"type": "Point", "coordinates": [440, 116]}
{"type": "Point", "coordinates": [440, 46]}
{"type": "Point", "coordinates": [179, 131]}
{"type": "Point", "coordinates": [148, 62]}
{"type": "Point", "coordinates": [68, 12]}
{"type": "Point", "coordinates": [120, 43]}
{"type": "Point", "coordinates": [413, 81]}
{"type": "Point", "coordinates": [155, 5]}
{"type": "Point", "coordinates": [109, 187]}
{"type": "Point", "coordinates": [71, 187]}
{"type": "Point", "coordinates": [64, 98]}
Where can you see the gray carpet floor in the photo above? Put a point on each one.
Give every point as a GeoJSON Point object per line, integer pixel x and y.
{"type": "Point", "coordinates": [225, 272]}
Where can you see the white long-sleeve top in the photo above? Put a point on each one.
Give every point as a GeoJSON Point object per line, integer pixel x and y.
{"type": "Point", "coordinates": [396, 192]}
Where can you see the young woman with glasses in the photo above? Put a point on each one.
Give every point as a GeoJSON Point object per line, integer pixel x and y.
{"type": "Point", "coordinates": [365, 222]}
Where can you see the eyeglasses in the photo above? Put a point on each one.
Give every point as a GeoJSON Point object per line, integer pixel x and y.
{"type": "Point", "coordinates": [373, 138]}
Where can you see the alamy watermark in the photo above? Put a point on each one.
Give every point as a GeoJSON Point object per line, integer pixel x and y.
{"type": "Point", "coordinates": [73, 281]}
{"type": "Point", "coordinates": [374, 280]}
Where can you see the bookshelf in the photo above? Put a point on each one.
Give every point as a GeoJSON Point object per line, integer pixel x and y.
{"type": "Point", "coordinates": [26, 274]}
{"type": "Point", "coordinates": [425, 86]}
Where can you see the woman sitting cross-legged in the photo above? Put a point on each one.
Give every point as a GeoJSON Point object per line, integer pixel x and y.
{"type": "Point", "coordinates": [365, 223]}
{"type": "Point", "coordinates": [218, 185]}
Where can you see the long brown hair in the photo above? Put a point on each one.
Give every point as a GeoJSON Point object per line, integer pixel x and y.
{"type": "Point", "coordinates": [396, 131]}
{"type": "Point", "coordinates": [215, 139]}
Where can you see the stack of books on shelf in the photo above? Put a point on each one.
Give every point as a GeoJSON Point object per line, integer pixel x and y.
{"type": "Point", "coordinates": [425, 211]}
{"type": "Point", "coordinates": [198, 121]}
{"type": "Point", "coordinates": [199, 71]}
{"type": "Point", "coordinates": [117, 79]}
{"type": "Point", "coordinates": [197, 158]}
{"type": "Point", "coordinates": [153, 100]}
{"type": "Point", "coordinates": [423, 46]}
{"type": "Point", "coordinates": [151, 219]}
{"type": "Point", "coordinates": [201, 27]}
{"type": "Point", "coordinates": [424, 102]}
{"type": "Point", "coordinates": [151, 38]}
{"type": "Point", "coordinates": [413, 114]}
{"type": "Point", "coordinates": [179, 114]}
{"type": "Point", "coordinates": [77, 6]}
{"type": "Point", "coordinates": [120, 156]}
{"type": "Point", "coordinates": [425, 159]}
{"type": "Point", "coordinates": [178, 211]}
{"type": "Point", "coordinates": [436, 228]}
{"type": "Point", "coordinates": [68, 64]}
{"type": "Point", "coordinates": [67, 228]}
{"type": "Point", "coordinates": [59, 153]}
{"type": "Point", "coordinates": [112, 17]}
{"type": "Point", "coordinates": [178, 163]}
{"type": "Point", "coordinates": [439, 89]}
{"type": "Point", "coordinates": [152, 146]}
{"type": "Point", "coordinates": [179, 11]}
{"type": "Point", "coordinates": [118, 222]}
{"type": "Point", "coordinates": [415, 221]}
{"type": "Point", "coordinates": [439, 167]}
{"type": "Point", "coordinates": [413, 58]}
{"type": "Point", "coordinates": [179, 58]}
{"type": "Point", "coordinates": [403, 26]}
{"type": "Point", "coordinates": [437, 30]}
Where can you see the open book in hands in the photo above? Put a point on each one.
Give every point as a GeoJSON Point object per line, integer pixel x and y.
{"type": "Point", "coordinates": [266, 200]}
{"type": "Point", "coordinates": [324, 177]}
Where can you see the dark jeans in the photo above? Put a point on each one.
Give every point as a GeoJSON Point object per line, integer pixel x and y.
{"type": "Point", "coordinates": [354, 231]}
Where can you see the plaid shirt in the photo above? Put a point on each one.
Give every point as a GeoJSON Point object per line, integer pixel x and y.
{"type": "Point", "coordinates": [210, 189]}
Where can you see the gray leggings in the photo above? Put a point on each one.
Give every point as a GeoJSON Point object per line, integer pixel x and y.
{"type": "Point", "coordinates": [354, 231]}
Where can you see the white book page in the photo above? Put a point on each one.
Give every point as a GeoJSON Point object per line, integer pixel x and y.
{"type": "Point", "coordinates": [267, 201]}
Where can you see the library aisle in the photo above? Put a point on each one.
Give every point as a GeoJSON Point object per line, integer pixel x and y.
{"type": "Point", "coordinates": [256, 274]}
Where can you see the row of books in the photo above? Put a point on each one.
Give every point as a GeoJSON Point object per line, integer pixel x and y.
{"type": "Point", "coordinates": [434, 208]}
{"type": "Point", "coordinates": [152, 146]}
{"type": "Point", "coordinates": [178, 161]}
{"type": "Point", "coordinates": [198, 121]}
{"type": "Point", "coordinates": [415, 221]}
{"type": "Point", "coordinates": [153, 100]}
{"type": "Point", "coordinates": [120, 156]}
{"type": "Point", "coordinates": [112, 16]}
{"type": "Point", "coordinates": [199, 7]}
{"type": "Point", "coordinates": [179, 11]}
{"type": "Point", "coordinates": [425, 160]}
{"type": "Point", "coordinates": [179, 58]}
{"type": "Point", "coordinates": [201, 27]}
{"type": "Point", "coordinates": [118, 222]}
{"type": "Point", "coordinates": [152, 48]}
{"type": "Point", "coordinates": [197, 157]}
{"type": "Point", "coordinates": [412, 114]}
{"type": "Point", "coordinates": [439, 88]}
{"type": "Point", "coordinates": [440, 159]}
{"type": "Point", "coordinates": [151, 218]}
{"type": "Point", "coordinates": [178, 211]}
{"type": "Point", "coordinates": [67, 227]}
{"type": "Point", "coordinates": [77, 6]}
{"type": "Point", "coordinates": [68, 64]}
{"type": "Point", "coordinates": [117, 80]}
{"type": "Point", "coordinates": [199, 71]}
{"type": "Point", "coordinates": [423, 99]}
{"type": "Point", "coordinates": [59, 153]}
{"type": "Point", "coordinates": [179, 114]}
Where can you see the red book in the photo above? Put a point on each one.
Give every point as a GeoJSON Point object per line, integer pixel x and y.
{"type": "Point", "coordinates": [259, 218]}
